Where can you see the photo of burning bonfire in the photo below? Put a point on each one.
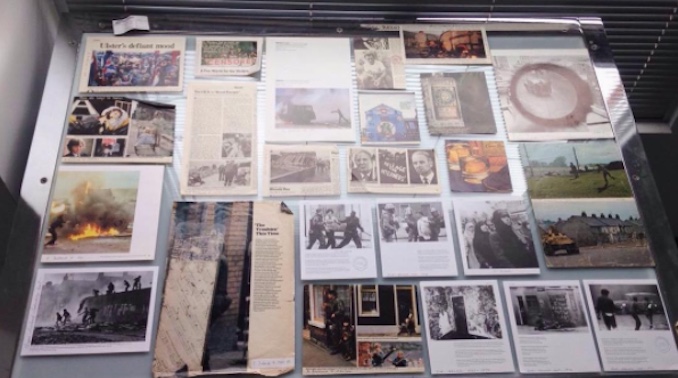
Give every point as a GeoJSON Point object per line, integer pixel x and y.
{"type": "Point", "coordinates": [92, 212]}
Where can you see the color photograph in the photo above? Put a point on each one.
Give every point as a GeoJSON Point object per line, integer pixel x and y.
{"type": "Point", "coordinates": [575, 170]}
{"type": "Point", "coordinates": [477, 166]}
{"type": "Point", "coordinates": [388, 118]}
{"type": "Point", "coordinates": [429, 44]}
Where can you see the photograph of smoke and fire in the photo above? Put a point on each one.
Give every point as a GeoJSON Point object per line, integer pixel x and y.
{"type": "Point", "coordinates": [91, 310]}
{"type": "Point", "coordinates": [92, 212]}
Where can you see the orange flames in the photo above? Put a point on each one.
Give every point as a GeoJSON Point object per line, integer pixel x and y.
{"type": "Point", "coordinates": [93, 231]}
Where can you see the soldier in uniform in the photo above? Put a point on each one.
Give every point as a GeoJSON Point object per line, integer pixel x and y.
{"type": "Point", "coordinates": [388, 223]}
{"type": "Point", "coordinates": [316, 230]}
{"type": "Point", "coordinates": [351, 231]}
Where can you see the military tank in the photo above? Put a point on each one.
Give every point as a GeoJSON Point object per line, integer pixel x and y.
{"type": "Point", "coordinates": [554, 241]}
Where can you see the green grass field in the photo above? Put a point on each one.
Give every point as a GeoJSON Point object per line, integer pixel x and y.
{"type": "Point", "coordinates": [586, 186]}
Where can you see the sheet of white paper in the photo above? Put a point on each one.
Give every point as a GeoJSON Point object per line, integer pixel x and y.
{"type": "Point", "coordinates": [650, 347]}
{"type": "Point", "coordinates": [465, 327]}
{"type": "Point", "coordinates": [551, 332]}
{"type": "Point", "coordinates": [415, 239]}
{"type": "Point", "coordinates": [309, 90]}
{"type": "Point", "coordinates": [329, 233]}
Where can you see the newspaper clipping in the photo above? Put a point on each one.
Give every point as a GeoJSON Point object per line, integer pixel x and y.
{"type": "Point", "coordinates": [445, 44]}
{"type": "Point", "coordinates": [336, 240]}
{"type": "Point", "coordinates": [379, 63]}
{"type": "Point", "coordinates": [220, 139]}
{"type": "Point", "coordinates": [415, 239]}
{"type": "Point", "coordinates": [466, 330]}
{"type": "Point", "coordinates": [388, 117]}
{"type": "Point", "coordinates": [478, 166]}
{"type": "Point", "coordinates": [631, 326]}
{"type": "Point", "coordinates": [229, 291]}
{"type": "Point", "coordinates": [228, 56]}
{"type": "Point", "coordinates": [457, 103]}
{"type": "Point", "coordinates": [549, 94]}
{"type": "Point", "coordinates": [496, 237]}
{"type": "Point", "coordinates": [133, 64]}
{"type": "Point", "coordinates": [302, 170]}
{"type": "Point", "coordinates": [91, 311]}
{"type": "Point", "coordinates": [308, 90]}
{"type": "Point", "coordinates": [551, 333]}
{"type": "Point", "coordinates": [103, 213]}
{"type": "Point", "coordinates": [119, 130]}
{"type": "Point", "coordinates": [361, 329]}
{"type": "Point", "coordinates": [392, 170]}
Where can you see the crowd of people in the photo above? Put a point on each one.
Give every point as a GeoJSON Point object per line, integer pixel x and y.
{"type": "Point", "coordinates": [498, 242]}
{"type": "Point", "coordinates": [134, 69]}
{"type": "Point", "coordinates": [419, 227]}
{"type": "Point", "coordinates": [324, 225]}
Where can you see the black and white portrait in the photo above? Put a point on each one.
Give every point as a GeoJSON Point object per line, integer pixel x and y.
{"type": "Point", "coordinates": [422, 167]}
{"type": "Point", "coordinates": [363, 164]}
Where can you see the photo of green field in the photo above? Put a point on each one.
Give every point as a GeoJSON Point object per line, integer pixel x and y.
{"type": "Point", "coordinates": [575, 170]}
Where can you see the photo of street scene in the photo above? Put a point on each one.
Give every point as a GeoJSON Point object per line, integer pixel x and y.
{"type": "Point", "coordinates": [628, 307]}
{"type": "Point", "coordinates": [91, 306]}
{"type": "Point", "coordinates": [575, 170]}
{"type": "Point", "coordinates": [219, 173]}
{"type": "Point", "coordinates": [592, 233]}
{"type": "Point", "coordinates": [300, 167]}
{"type": "Point", "coordinates": [462, 312]}
{"type": "Point", "coordinates": [547, 309]}
{"type": "Point", "coordinates": [92, 212]}
{"type": "Point", "coordinates": [321, 108]}
{"type": "Point", "coordinates": [330, 226]}
{"type": "Point", "coordinates": [445, 46]}
{"type": "Point", "coordinates": [411, 222]}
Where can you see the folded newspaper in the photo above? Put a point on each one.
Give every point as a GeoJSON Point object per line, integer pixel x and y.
{"type": "Point", "coordinates": [228, 305]}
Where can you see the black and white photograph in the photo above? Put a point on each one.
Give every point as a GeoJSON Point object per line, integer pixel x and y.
{"type": "Point", "coordinates": [337, 226]}
{"type": "Point", "coordinates": [628, 307]}
{"type": "Point", "coordinates": [393, 166]}
{"type": "Point", "coordinates": [226, 173]}
{"type": "Point", "coordinates": [496, 237]}
{"type": "Point", "coordinates": [550, 94]}
{"type": "Point", "coordinates": [388, 117]}
{"type": "Point", "coordinates": [457, 103]}
{"type": "Point", "coordinates": [592, 232]}
{"type": "Point", "coordinates": [300, 167]}
{"type": "Point", "coordinates": [444, 44]}
{"type": "Point", "coordinates": [423, 169]}
{"type": "Point", "coordinates": [462, 312]}
{"type": "Point", "coordinates": [379, 62]}
{"type": "Point", "coordinates": [548, 309]}
{"type": "Point", "coordinates": [91, 311]}
{"type": "Point", "coordinates": [236, 145]}
{"type": "Point", "coordinates": [415, 222]}
{"type": "Point", "coordinates": [363, 164]}
{"type": "Point", "coordinates": [312, 108]}
{"type": "Point", "coordinates": [151, 133]}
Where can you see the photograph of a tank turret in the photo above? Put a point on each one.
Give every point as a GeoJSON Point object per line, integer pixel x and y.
{"type": "Point", "coordinates": [320, 108]}
{"type": "Point", "coordinates": [91, 311]}
{"type": "Point", "coordinates": [591, 232]}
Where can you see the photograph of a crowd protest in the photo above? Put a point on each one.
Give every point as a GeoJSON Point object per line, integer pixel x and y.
{"type": "Point", "coordinates": [495, 236]}
{"type": "Point", "coordinates": [334, 226]}
{"type": "Point", "coordinates": [477, 166]}
{"type": "Point", "coordinates": [219, 173]}
{"type": "Point", "coordinates": [575, 170]}
{"type": "Point", "coordinates": [92, 212]}
{"type": "Point", "coordinates": [425, 44]}
{"type": "Point", "coordinates": [132, 64]}
{"type": "Point", "coordinates": [462, 312]}
{"type": "Point", "coordinates": [592, 233]}
{"type": "Point", "coordinates": [628, 307]}
{"type": "Point", "coordinates": [548, 309]}
{"type": "Point", "coordinates": [349, 328]}
{"type": "Point", "coordinates": [88, 311]}
{"type": "Point", "coordinates": [414, 222]}
{"type": "Point", "coordinates": [300, 167]}
{"type": "Point", "coordinates": [319, 108]}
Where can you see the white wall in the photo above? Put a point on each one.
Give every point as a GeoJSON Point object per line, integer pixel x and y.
{"type": "Point", "coordinates": [27, 32]}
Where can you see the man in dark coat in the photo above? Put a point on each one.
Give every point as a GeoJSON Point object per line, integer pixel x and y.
{"type": "Point", "coordinates": [605, 307]}
{"type": "Point", "coordinates": [351, 231]}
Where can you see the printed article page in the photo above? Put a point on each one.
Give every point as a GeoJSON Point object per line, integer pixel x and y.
{"type": "Point", "coordinates": [631, 326]}
{"type": "Point", "coordinates": [228, 56]}
{"type": "Point", "coordinates": [302, 170]}
{"type": "Point", "coordinates": [336, 240]}
{"type": "Point", "coordinates": [466, 330]}
{"type": "Point", "coordinates": [309, 96]}
{"type": "Point", "coordinates": [551, 333]}
{"type": "Point", "coordinates": [415, 239]}
{"type": "Point", "coordinates": [379, 63]}
{"type": "Point", "coordinates": [220, 137]}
